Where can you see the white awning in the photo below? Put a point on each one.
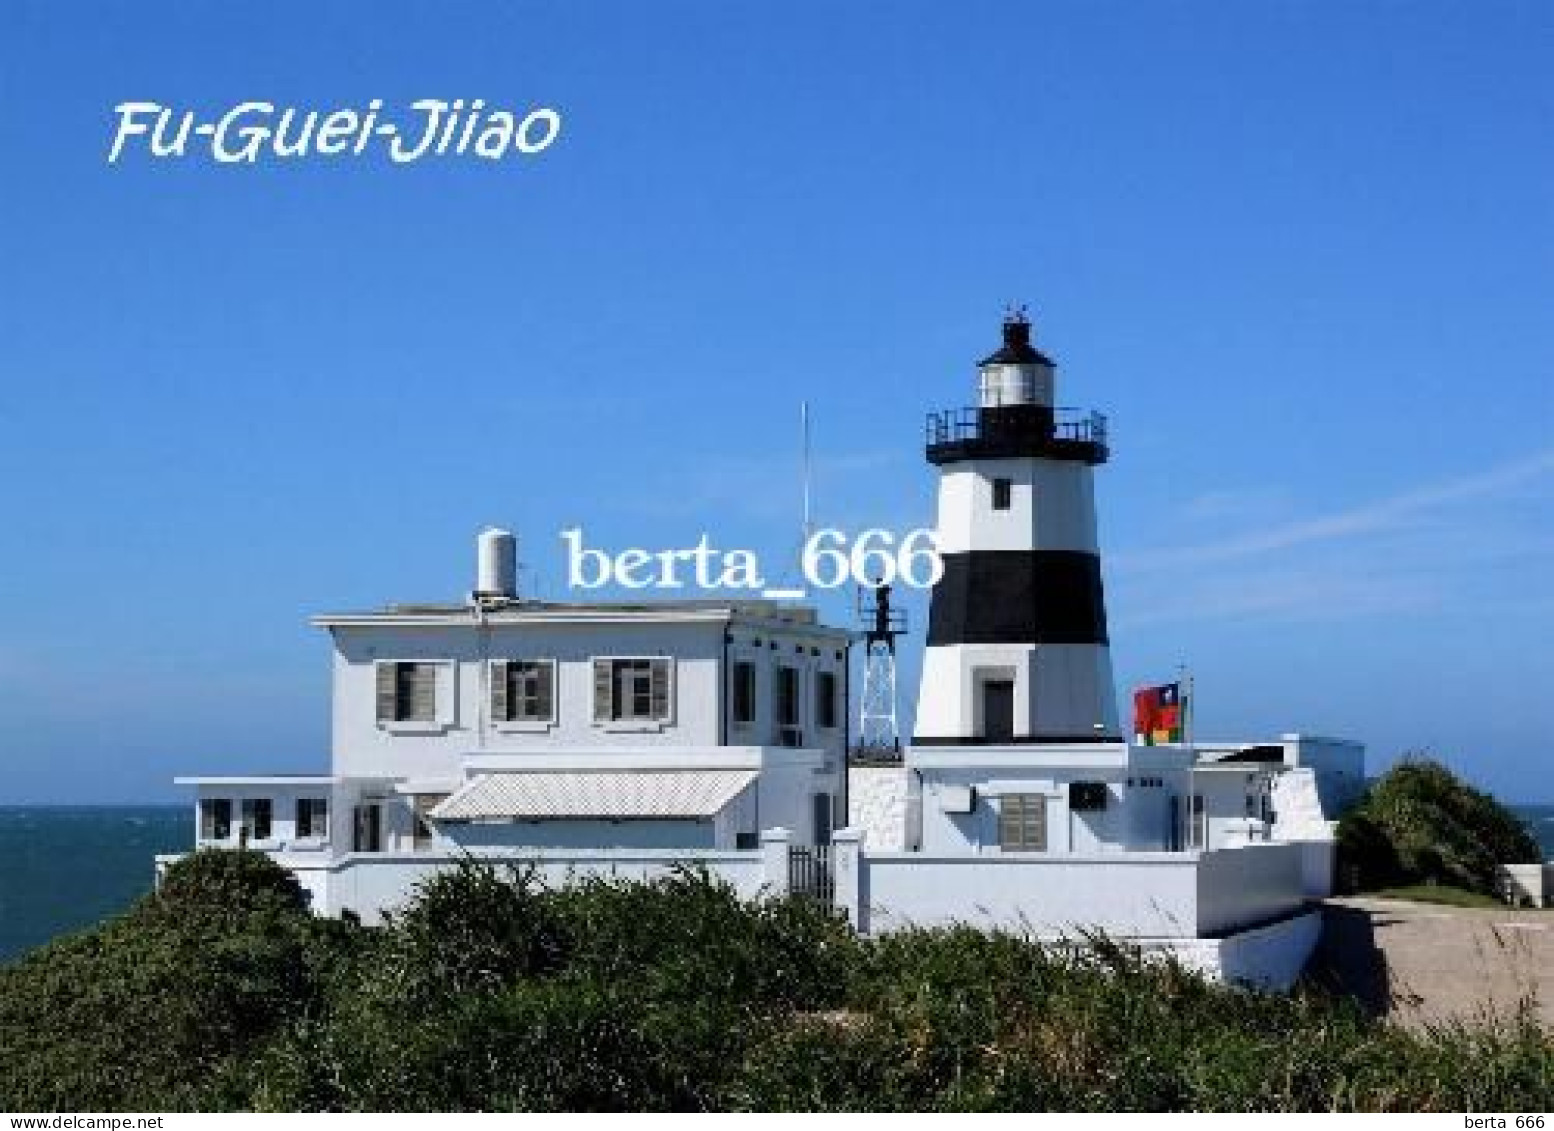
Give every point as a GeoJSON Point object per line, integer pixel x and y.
{"type": "Point", "coordinates": [598, 794]}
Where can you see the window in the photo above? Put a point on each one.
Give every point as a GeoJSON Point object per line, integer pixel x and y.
{"type": "Point", "coordinates": [636, 690]}
{"type": "Point", "coordinates": [421, 808]}
{"type": "Point", "coordinates": [367, 835]}
{"type": "Point", "coordinates": [744, 692]}
{"type": "Point", "coordinates": [825, 699]}
{"type": "Point", "coordinates": [256, 819]}
{"type": "Point", "coordinates": [1197, 833]}
{"type": "Point", "coordinates": [523, 691]}
{"type": "Point", "coordinates": [215, 818]}
{"type": "Point", "coordinates": [1087, 796]}
{"type": "Point", "coordinates": [787, 697]}
{"type": "Point", "coordinates": [407, 692]}
{"type": "Point", "coordinates": [1002, 490]}
{"type": "Point", "coordinates": [1022, 822]}
{"type": "Point", "coordinates": [312, 818]}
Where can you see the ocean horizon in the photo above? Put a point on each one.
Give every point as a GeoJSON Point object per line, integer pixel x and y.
{"type": "Point", "coordinates": [64, 868]}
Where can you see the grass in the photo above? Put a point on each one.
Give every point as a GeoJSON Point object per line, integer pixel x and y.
{"type": "Point", "coordinates": [1443, 894]}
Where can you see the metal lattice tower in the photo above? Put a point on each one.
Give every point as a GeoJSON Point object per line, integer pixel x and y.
{"type": "Point", "coordinates": [879, 736]}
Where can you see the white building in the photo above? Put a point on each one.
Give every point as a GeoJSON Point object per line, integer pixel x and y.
{"type": "Point", "coordinates": [629, 738]}
{"type": "Point", "coordinates": [501, 723]}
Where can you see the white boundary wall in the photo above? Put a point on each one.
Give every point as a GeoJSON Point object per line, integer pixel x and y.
{"type": "Point", "coordinates": [368, 884]}
{"type": "Point", "coordinates": [1234, 913]}
{"type": "Point", "coordinates": [1136, 894]}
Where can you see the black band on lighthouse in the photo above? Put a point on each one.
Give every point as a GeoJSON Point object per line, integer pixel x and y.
{"type": "Point", "coordinates": [1018, 597]}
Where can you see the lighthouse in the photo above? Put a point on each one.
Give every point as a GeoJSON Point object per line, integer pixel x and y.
{"type": "Point", "coordinates": [1017, 645]}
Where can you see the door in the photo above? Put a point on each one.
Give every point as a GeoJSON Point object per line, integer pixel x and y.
{"type": "Point", "coordinates": [822, 808]}
{"type": "Point", "coordinates": [998, 710]}
{"type": "Point", "coordinates": [369, 828]}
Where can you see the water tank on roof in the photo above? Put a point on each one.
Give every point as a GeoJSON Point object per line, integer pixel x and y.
{"type": "Point", "coordinates": [496, 575]}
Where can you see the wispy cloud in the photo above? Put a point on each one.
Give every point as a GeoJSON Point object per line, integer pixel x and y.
{"type": "Point", "coordinates": [1407, 553]}
{"type": "Point", "coordinates": [1235, 504]}
{"type": "Point", "coordinates": [1377, 517]}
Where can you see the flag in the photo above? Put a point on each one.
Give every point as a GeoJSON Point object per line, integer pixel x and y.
{"type": "Point", "coordinates": [1157, 714]}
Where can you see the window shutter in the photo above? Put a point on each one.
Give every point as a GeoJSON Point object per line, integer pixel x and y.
{"type": "Point", "coordinates": [1035, 831]}
{"type": "Point", "coordinates": [423, 693]}
{"type": "Point", "coordinates": [544, 690]}
{"type": "Point", "coordinates": [500, 709]}
{"type": "Point", "coordinates": [1009, 823]}
{"type": "Point", "coordinates": [659, 694]}
{"type": "Point", "coordinates": [386, 673]}
{"type": "Point", "coordinates": [602, 691]}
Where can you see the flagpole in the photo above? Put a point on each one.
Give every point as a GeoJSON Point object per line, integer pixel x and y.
{"type": "Point", "coordinates": [1189, 704]}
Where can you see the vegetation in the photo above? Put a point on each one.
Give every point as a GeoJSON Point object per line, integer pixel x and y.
{"type": "Point", "coordinates": [489, 992]}
{"type": "Point", "coordinates": [1443, 894]}
{"type": "Point", "coordinates": [1421, 824]}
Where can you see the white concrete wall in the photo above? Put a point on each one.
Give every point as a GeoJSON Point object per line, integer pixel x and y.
{"type": "Point", "coordinates": [1150, 894]}
{"type": "Point", "coordinates": [1338, 764]}
{"type": "Point", "coordinates": [1059, 689]}
{"type": "Point", "coordinates": [700, 695]}
{"type": "Point", "coordinates": [370, 885]}
{"type": "Point", "coordinates": [1106, 830]}
{"type": "Point", "coordinates": [1270, 957]}
{"type": "Point", "coordinates": [1051, 506]}
{"type": "Point", "coordinates": [1137, 894]}
{"type": "Point", "coordinates": [1225, 791]}
{"type": "Point", "coordinates": [1299, 818]}
{"type": "Point", "coordinates": [768, 651]}
{"type": "Point", "coordinates": [365, 748]}
{"type": "Point", "coordinates": [1241, 887]}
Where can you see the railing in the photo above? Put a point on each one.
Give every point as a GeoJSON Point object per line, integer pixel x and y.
{"type": "Point", "coordinates": [1016, 423]}
{"type": "Point", "coordinates": [810, 874]}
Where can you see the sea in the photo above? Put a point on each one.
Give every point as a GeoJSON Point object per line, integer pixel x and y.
{"type": "Point", "coordinates": [65, 868]}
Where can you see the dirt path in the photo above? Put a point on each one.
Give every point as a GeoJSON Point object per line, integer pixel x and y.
{"type": "Point", "coordinates": [1420, 962]}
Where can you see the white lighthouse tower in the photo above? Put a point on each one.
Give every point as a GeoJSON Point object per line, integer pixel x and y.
{"type": "Point", "coordinates": [1017, 645]}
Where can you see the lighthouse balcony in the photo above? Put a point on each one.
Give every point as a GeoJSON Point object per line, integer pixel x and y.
{"type": "Point", "coordinates": [1012, 431]}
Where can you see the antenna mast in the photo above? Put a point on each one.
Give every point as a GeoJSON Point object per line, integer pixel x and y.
{"type": "Point", "coordinates": [809, 526]}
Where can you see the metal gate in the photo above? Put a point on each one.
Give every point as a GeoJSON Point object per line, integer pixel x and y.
{"type": "Point", "coordinates": [809, 873]}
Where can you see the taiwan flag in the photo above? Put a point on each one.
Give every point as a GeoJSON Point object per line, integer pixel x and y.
{"type": "Point", "coordinates": [1157, 714]}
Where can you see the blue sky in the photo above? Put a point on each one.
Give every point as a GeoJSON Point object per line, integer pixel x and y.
{"type": "Point", "coordinates": [1302, 253]}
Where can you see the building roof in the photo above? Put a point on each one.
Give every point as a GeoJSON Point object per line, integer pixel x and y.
{"type": "Point", "coordinates": [595, 794]}
{"type": "Point", "coordinates": [1017, 348]}
{"type": "Point", "coordinates": [527, 611]}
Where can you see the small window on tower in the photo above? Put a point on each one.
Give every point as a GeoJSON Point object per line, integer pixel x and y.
{"type": "Point", "coordinates": [1002, 489]}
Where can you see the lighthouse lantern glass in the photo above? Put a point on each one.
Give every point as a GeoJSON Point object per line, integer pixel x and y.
{"type": "Point", "coordinates": [1008, 385]}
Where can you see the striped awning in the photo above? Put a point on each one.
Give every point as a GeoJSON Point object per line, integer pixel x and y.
{"type": "Point", "coordinates": [609, 794]}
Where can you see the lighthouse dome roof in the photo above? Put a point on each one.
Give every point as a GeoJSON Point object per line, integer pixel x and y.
{"type": "Point", "coordinates": [1017, 348]}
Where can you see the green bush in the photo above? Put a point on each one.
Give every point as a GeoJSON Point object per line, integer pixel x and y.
{"type": "Point", "coordinates": [1421, 824]}
{"type": "Point", "coordinates": [145, 1011]}
{"type": "Point", "coordinates": [491, 992]}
